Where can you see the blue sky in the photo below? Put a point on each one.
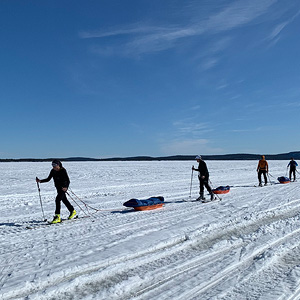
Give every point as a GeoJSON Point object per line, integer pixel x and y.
{"type": "Point", "coordinates": [149, 77]}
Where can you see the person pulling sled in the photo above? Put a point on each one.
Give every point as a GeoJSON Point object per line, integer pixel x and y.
{"type": "Point", "coordinates": [203, 179]}
{"type": "Point", "coordinates": [61, 182]}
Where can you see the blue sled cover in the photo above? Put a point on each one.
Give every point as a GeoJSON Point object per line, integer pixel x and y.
{"type": "Point", "coordinates": [283, 179]}
{"type": "Point", "coordinates": [222, 188]}
{"type": "Point", "coordinates": [146, 202]}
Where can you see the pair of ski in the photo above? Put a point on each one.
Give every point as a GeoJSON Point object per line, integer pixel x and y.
{"type": "Point", "coordinates": [63, 220]}
{"type": "Point", "coordinates": [264, 185]}
{"type": "Point", "coordinates": [204, 201]}
{"type": "Point", "coordinates": [45, 223]}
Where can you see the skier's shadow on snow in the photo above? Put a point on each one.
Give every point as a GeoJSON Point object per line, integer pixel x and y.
{"type": "Point", "coordinates": [33, 222]}
{"type": "Point", "coordinates": [11, 224]}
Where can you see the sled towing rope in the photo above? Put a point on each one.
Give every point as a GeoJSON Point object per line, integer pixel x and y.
{"type": "Point", "coordinates": [88, 213]}
{"type": "Point", "coordinates": [85, 204]}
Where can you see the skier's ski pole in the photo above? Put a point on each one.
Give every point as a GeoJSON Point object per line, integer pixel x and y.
{"type": "Point", "coordinates": [270, 178]}
{"type": "Point", "coordinates": [191, 183]}
{"type": "Point", "coordinates": [38, 186]}
{"type": "Point", "coordinates": [269, 174]}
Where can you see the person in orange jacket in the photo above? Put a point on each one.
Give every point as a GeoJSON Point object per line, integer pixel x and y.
{"type": "Point", "coordinates": [262, 168]}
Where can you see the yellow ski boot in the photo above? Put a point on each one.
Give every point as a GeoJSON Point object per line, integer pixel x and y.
{"type": "Point", "coordinates": [72, 215]}
{"type": "Point", "coordinates": [56, 219]}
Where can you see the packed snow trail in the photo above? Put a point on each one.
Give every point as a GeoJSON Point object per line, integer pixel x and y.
{"type": "Point", "coordinates": [243, 247]}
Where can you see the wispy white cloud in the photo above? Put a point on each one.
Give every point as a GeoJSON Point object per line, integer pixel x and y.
{"type": "Point", "coordinates": [146, 39]}
{"type": "Point", "coordinates": [237, 14]}
{"type": "Point", "coordinates": [189, 128]}
{"type": "Point", "coordinates": [293, 104]}
{"type": "Point", "coordinates": [209, 55]}
{"type": "Point", "coordinates": [189, 147]}
{"type": "Point", "coordinates": [189, 137]}
{"type": "Point", "coordinates": [220, 44]}
{"type": "Point", "coordinates": [274, 36]}
{"type": "Point", "coordinates": [266, 128]}
{"type": "Point", "coordinates": [246, 130]}
{"type": "Point", "coordinates": [235, 97]}
{"type": "Point", "coordinates": [195, 107]}
{"type": "Point", "coordinates": [209, 63]}
{"type": "Point", "coordinates": [276, 31]}
{"type": "Point", "coordinates": [130, 30]}
{"type": "Point", "coordinates": [222, 86]}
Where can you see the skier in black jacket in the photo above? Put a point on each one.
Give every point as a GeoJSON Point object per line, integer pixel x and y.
{"type": "Point", "coordinates": [292, 164]}
{"type": "Point", "coordinates": [61, 182]}
{"type": "Point", "coordinates": [203, 178]}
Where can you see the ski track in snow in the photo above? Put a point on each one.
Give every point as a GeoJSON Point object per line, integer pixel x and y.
{"type": "Point", "coordinates": [243, 247]}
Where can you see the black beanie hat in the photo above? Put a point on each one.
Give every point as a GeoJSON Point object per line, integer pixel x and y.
{"type": "Point", "coordinates": [57, 162]}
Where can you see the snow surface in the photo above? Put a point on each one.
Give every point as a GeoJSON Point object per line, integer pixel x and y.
{"type": "Point", "coordinates": [243, 247]}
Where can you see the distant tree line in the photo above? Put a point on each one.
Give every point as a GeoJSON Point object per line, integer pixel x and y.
{"type": "Point", "coordinates": [238, 156]}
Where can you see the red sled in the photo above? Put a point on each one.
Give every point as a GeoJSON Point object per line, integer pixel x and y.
{"type": "Point", "coordinates": [283, 179]}
{"type": "Point", "coordinates": [221, 190]}
{"type": "Point", "coordinates": [149, 207]}
{"type": "Point", "coordinates": [146, 204]}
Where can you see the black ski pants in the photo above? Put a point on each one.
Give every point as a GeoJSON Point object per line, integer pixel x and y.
{"type": "Point", "coordinates": [264, 172]}
{"type": "Point", "coordinates": [292, 172]}
{"type": "Point", "coordinates": [61, 196]}
{"type": "Point", "coordinates": [204, 183]}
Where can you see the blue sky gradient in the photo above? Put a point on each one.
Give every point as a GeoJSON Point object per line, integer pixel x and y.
{"type": "Point", "coordinates": [139, 77]}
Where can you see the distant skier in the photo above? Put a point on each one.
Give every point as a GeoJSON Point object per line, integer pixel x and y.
{"type": "Point", "coordinates": [203, 178]}
{"type": "Point", "coordinates": [292, 164]}
{"type": "Point", "coordinates": [62, 182]}
{"type": "Point", "coordinates": [262, 168]}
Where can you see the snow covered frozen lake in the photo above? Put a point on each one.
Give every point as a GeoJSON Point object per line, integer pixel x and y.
{"type": "Point", "coordinates": [246, 246]}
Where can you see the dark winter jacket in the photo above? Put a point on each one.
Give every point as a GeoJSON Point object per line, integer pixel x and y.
{"type": "Point", "coordinates": [202, 169]}
{"type": "Point", "coordinates": [292, 164]}
{"type": "Point", "coordinates": [61, 178]}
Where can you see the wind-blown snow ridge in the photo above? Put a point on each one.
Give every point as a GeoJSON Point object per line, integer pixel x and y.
{"type": "Point", "coordinates": [243, 247]}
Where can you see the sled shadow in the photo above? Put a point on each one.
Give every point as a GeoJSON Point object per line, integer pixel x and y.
{"type": "Point", "coordinates": [125, 211]}
{"type": "Point", "coordinates": [177, 201]}
{"type": "Point", "coordinates": [254, 185]}
{"type": "Point", "coordinates": [242, 186]}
